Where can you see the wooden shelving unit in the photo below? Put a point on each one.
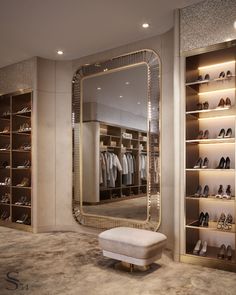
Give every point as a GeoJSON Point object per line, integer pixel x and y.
{"type": "Point", "coordinates": [213, 119]}
{"type": "Point", "coordinates": [15, 162]}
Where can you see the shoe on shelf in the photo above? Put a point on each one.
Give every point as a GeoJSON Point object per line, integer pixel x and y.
{"type": "Point", "coordinates": [228, 133]}
{"type": "Point", "coordinates": [222, 75]}
{"type": "Point", "coordinates": [220, 192]}
{"type": "Point", "coordinates": [221, 103]}
{"type": "Point", "coordinates": [203, 251]}
{"type": "Point", "coordinates": [207, 77]}
{"type": "Point", "coordinates": [228, 102]}
{"type": "Point", "coordinates": [205, 163]}
{"type": "Point", "coordinates": [221, 134]}
{"type": "Point", "coordinates": [205, 220]}
{"type": "Point", "coordinates": [200, 219]}
{"type": "Point", "coordinates": [222, 252]}
{"type": "Point", "coordinates": [200, 135]}
{"type": "Point", "coordinates": [229, 74]}
{"type": "Point", "coordinates": [227, 194]}
{"type": "Point", "coordinates": [197, 247]}
{"type": "Point", "coordinates": [198, 191]}
{"type": "Point", "coordinates": [205, 105]}
{"type": "Point", "coordinates": [199, 106]}
{"type": "Point", "coordinates": [206, 134]}
{"type": "Point", "coordinates": [24, 183]}
{"type": "Point", "coordinates": [22, 219]}
{"type": "Point", "coordinates": [229, 253]}
{"type": "Point", "coordinates": [227, 163]}
{"type": "Point", "coordinates": [198, 164]}
{"type": "Point", "coordinates": [205, 193]}
{"type": "Point", "coordinates": [221, 163]}
{"type": "Point", "coordinates": [221, 221]}
{"type": "Point", "coordinates": [6, 130]}
{"type": "Point", "coordinates": [199, 78]}
{"type": "Point", "coordinates": [228, 222]}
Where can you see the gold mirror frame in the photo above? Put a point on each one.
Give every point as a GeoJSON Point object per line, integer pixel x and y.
{"type": "Point", "coordinates": [152, 60]}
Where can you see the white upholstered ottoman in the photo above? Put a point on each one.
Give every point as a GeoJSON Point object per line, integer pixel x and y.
{"type": "Point", "coordinates": [131, 245]}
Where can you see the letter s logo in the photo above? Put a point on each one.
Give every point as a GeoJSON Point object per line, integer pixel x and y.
{"type": "Point", "coordinates": [10, 279]}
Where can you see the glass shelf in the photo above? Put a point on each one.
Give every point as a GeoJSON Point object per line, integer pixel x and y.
{"type": "Point", "coordinates": [212, 226]}
{"type": "Point", "coordinates": [211, 141]}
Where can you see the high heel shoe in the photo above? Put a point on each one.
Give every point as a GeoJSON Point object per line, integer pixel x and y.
{"type": "Point", "coordinates": [203, 251]}
{"type": "Point", "coordinates": [201, 219]}
{"type": "Point", "coordinates": [228, 102]}
{"type": "Point", "coordinates": [221, 221]}
{"type": "Point", "coordinates": [221, 164]}
{"type": "Point", "coordinates": [228, 133]}
{"type": "Point", "coordinates": [222, 252]}
{"type": "Point", "coordinates": [205, 163]}
{"type": "Point", "coordinates": [200, 135]}
{"type": "Point", "coordinates": [220, 192]}
{"type": "Point", "coordinates": [228, 222]}
{"type": "Point", "coordinates": [197, 247]}
{"type": "Point", "coordinates": [205, 105]}
{"type": "Point", "coordinates": [198, 164]}
{"type": "Point", "coordinates": [199, 106]}
{"type": "Point", "coordinates": [227, 194]}
{"type": "Point", "coordinates": [199, 78]}
{"type": "Point", "coordinates": [228, 74]}
{"type": "Point", "coordinates": [222, 75]}
{"type": "Point", "coordinates": [229, 252]}
{"type": "Point", "coordinates": [206, 134]}
{"type": "Point", "coordinates": [221, 134]}
{"type": "Point", "coordinates": [205, 193]}
{"type": "Point", "coordinates": [207, 77]}
{"type": "Point", "coordinates": [227, 163]}
{"type": "Point", "coordinates": [198, 191]}
{"type": "Point", "coordinates": [205, 220]}
{"type": "Point", "coordinates": [221, 103]}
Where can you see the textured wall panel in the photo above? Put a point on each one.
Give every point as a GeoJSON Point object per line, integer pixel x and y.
{"type": "Point", "coordinates": [207, 23]}
{"type": "Point", "coordinates": [18, 76]}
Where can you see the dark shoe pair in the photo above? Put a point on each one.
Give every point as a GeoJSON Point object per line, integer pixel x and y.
{"type": "Point", "coordinates": [203, 106]}
{"type": "Point", "coordinates": [201, 163]}
{"type": "Point", "coordinates": [199, 193]}
{"type": "Point", "coordinates": [225, 253]}
{"type": "Point", "coordinates": [203, 135]}
{"type": "Point", "coordinates": [224, 103]}
{"type": "Point", "coordinates": [221, 193]}
{"type": "Point", "coordinates": [200, 78]}
{"type": "Point", "coordinates": [224, 163]}
{"type": "Point", "coordinates": [203, 219]}
{"type": "Point", "coordinates": [222, 133]}
{"type": "Point", "coordinates": [228, 74]}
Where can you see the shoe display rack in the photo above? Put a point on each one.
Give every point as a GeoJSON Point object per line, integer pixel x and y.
{"type": "Point", "coordinates": [120, 141]}
{"type": "Point", "coordinates": [210, 211]}
{"type": "Point", "coordinates": [15, 160]}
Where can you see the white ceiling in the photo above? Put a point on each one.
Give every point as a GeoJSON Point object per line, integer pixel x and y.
{"type": "Point", "coordinates": [79, 27]}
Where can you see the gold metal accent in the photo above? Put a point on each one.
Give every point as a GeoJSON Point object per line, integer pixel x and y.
{"type": "Point", "coordinates": [152, 60]}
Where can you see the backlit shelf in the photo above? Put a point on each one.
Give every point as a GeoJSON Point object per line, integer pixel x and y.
{"type": "Point", "coordinates": [212, 226]}
{"type": "Point", "coordinates": [209, 81]}
{"type": "Point", "coordinates": [207, 110]}
{"type": "Point", "coordinates": [211, 141]}
{"type": "Point", "coordinates": [210, 199]}
{"type": "Point", "coordinates": [210, 170]}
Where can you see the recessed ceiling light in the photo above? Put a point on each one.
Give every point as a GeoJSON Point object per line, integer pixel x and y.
{"type": "Point", "coordinates": [235, 25]}
{"type": "Point", "coordinates": [138, 102]}
{"type": "Point", "coordinates": [145, 25]}
{"type": "Point", "coordinates": [99, 88]}
{"type": "Point", "coordinates": [60, 52]}
{"type": "Point", "coordinates": [121, 96]}
{"type": "Point", "coordinates": [127, 83]}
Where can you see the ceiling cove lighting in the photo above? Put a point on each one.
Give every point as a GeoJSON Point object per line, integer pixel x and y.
{"type": "Point", "coordinates": [145, 25]}
{"type": "Point", "coordinates": [60, 52]}
{"type": "Point", "coordinates": [216, 91]}
{"type": "Point", "coordinates": [217, 65]}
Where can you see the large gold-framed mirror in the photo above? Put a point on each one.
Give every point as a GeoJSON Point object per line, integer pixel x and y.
{"type": "Point", "coordinates": [116, 142]}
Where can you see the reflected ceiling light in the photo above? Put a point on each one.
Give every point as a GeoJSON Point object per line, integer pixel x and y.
{"type": "Point", "coordinates": [138, 102]}
{"type": "Point", "coordinates": [215, 91]}
{"type": "Point", "coordinates": [106, 69]}
{"type": "Point", "coordinates": [127, 83]}
{"type": "Point", "coordinates": [217, 65]}
{"type": "Point", "coordinates": [145, 25]}
{"type": "Point", "coordinates": [60, 52]}
{"type": "Point", "coordinates": [99, 88]}
{"type": "Point", "coordinates": [227, 40]}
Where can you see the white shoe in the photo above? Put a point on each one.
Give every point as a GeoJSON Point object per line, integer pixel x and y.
{"type": "Point", "coordinates": [204, 249]}
{"type": "Point", "coordinates": [197, 247]}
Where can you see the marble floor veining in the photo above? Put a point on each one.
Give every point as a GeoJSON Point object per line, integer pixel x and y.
{"type": "Point", "coordinates": [71, 263]}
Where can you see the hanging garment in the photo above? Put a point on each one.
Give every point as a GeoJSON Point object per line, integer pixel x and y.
{"type": "Point", "coordinates": [102, 170]}
{"type": "Point", "coordinates": [130, 168]}
{"type": "Point", "coordinates": [112, 165]}
{"type": "Point", "coordinates": [143, 166]}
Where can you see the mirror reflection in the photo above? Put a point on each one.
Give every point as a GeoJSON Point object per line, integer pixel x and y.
{"type": "Point", "coordinates": [115, 141]}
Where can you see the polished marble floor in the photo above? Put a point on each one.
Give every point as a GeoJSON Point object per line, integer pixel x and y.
{"type": "Point", "coordinates": [70, 263]}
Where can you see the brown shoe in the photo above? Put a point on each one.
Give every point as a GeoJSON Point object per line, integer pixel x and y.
{"type": "Point", "coordinates": [228, 102]}
{"type": "Point", "coordinates": [221, 103]}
